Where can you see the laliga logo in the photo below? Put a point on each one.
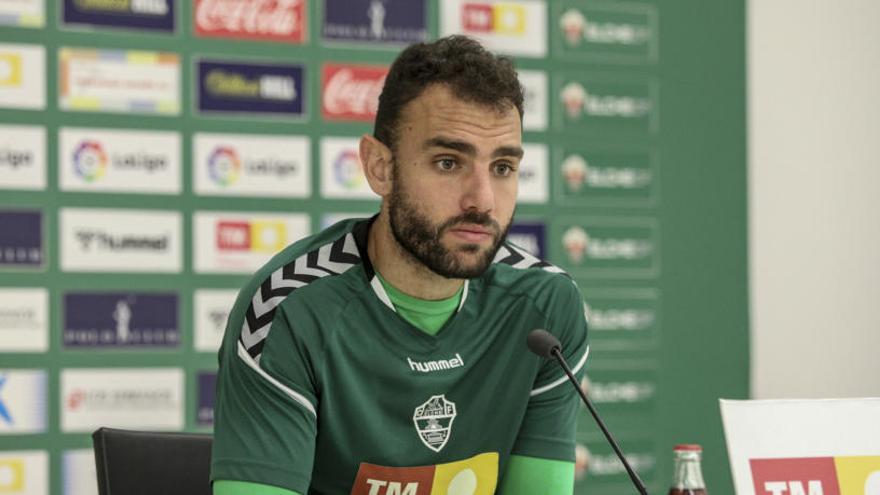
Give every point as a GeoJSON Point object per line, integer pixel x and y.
{"type": "Point", "coordinates": [90, 161]}
{"type": "Point", "coordinates": [574, 170]}
{"type": "Point", "coordinates": [347, 169]}
{"type": "Point", "coordinates": [573, 97]}
{"type": "Point", "coordinates": [224, 165]}
{"type": "Point", "coordinates": [572, 23]}
{"type": "Point", "coordinates": [575, 241]}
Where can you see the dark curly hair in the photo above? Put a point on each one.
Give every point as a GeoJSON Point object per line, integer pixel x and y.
{"type": "Point", "coordinates": [473, 73]}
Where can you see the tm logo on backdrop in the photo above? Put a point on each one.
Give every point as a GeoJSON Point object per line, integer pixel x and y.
{"type": "Point", "coordinates": [264, 20]}
{"type": "Point", "coordinates": [245, 88]}
{"type": "Point", "coordinates": [152, 15]}
{"type": "Point", "coordinates": [21, 238]}
{"type": "Point", "coordinates": [375, 21]}
{"type": "Point", "coordinates": [121, 320]}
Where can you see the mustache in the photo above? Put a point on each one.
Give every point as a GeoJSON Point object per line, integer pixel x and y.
{"type": "Point", "coordinates": [472, 217]}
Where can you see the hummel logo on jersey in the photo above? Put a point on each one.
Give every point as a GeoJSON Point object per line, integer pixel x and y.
{"type": "Point", "coordinates": [440, 364]}
{"type": "Point", "coordinates": [433, 420]}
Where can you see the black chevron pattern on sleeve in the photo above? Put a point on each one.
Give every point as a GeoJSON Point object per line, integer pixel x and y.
{"type": "Point", "coordinates": [517, 257]}
{"type": "Point", "coordinates": [330, 259]}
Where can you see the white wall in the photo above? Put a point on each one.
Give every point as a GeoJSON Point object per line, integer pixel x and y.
{"type": "Point", "coordinates": [814, 197]}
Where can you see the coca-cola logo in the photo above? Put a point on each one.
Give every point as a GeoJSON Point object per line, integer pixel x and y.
{"type": "Point", "coordinates": [352, 92]}
{"type": "Point", "coordinates": [279, 20]}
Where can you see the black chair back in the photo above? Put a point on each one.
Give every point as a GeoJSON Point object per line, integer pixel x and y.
{"type": "Point", "coordinates": [152, 463]}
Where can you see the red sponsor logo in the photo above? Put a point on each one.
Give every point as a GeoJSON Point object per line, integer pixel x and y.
{"type": "Point", "coordinates": [233, 236]}
{"type": "Point", "coordinates": [477, 18]}
{"type": "Point", "coordinates": [803, 476]}
{"type": "Point", "coordinates": [380, 480]}
{"type": "Point", "coordinates": [273, 20]}
{"type": "Point", "coordinates": [351, 92]}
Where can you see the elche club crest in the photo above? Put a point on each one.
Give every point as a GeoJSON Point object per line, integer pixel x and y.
{"type": "Point", "coordinates": [433, 420]}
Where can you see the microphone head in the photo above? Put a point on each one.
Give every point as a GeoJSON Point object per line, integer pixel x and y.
{"type": "Point", "coordinates": [542, 343]}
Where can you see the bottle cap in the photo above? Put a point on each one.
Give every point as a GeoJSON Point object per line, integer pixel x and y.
{"type": "Point", "coordinates": [688, 447]}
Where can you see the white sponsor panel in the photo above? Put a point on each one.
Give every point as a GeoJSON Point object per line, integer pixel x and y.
{"type": "Point", "coordinates": [514, 27]}
{"type": "Point", "coordinates": [22, 157]}
{"type": "Point", "coordinates": [108, 160]}
{"type": "Point", "coordinates": [24, 320]}
{"type": "Point", "coordinates": [78, 473]}
{"type": "Point", "coordinates": [534, 174]}
{"type": "Point", "coordinates": [342, 174]}
{"type": "Point", "coordinates": [120, 240]}
{"type": "Point", "coordinates": [23, 401]}
{"type": "Point", "coordinates": [22, 76]}
{"type": "Point", "coordinates": [251, 165]}
{"type": "Point", "coordinates": [212, 307]}
{"type": "Point", "coordinates": [24, 472]}
{"type": "Point", "coordinates": [238, 242]}
{"type": "Point", "coordinates": [127, 81]}
{"type": "Point", "coordinates": [23, 13]}
{"type": "Point", "coordinates": [329, 219]}
{"type": "Point", "coordinates": [535, 112]}
{"type": "Point", "coordinates": [136, 398]}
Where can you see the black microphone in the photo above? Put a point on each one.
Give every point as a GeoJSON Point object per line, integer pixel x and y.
{"type": "Point", "coordinates": [546, 345]}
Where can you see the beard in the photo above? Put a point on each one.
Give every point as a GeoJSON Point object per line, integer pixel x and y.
{"type": "Point", "coordinates": [421, 239]}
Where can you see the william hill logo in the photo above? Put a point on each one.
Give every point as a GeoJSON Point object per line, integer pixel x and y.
{"type": "Point", "coordinates": [220, 82]}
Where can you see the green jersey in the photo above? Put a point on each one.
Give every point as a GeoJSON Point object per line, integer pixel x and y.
{"type": "Point", "coordinates": [324, 389]}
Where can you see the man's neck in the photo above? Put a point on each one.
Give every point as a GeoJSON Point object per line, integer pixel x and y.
{"type": "Point", "coordinates": [401, 270]}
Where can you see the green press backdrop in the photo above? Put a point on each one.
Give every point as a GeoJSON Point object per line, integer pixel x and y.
{"type": "Point", "coordinates": [636, 185]}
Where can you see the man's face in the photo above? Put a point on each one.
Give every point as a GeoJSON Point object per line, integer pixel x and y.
{"type": "Point", "coordinates": [454, 181]}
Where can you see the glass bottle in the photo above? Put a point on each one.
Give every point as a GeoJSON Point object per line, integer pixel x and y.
{"type": "Point", "coordinates": [688, 475]}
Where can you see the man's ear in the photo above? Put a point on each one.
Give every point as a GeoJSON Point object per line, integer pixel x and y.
{"type": "Point", "coordinates": [377, 162]}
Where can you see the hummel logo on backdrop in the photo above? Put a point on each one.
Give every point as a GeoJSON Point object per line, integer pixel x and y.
{"type": "Point", "coordinates": [440, 364]}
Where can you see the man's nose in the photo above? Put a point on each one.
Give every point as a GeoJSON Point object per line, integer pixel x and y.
{"type": "Point", "coordinates": [477, 191]}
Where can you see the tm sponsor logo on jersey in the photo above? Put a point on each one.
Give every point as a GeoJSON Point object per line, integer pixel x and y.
{"type": "Point", "coordinates": [23, 401]}
{"type": "Point", "coordinates": [151, 15]}
{"type": "Point", "coordinates": [24, 319]}
{"type": "Point", "coordinates": [436, 365]}
{"type": "Point", "coordinates": [22, 157]}
{"type": "Point", "coordinates": [22, 76]}
{"type": "Point", "coordinates": [513, 27]}
{"type": "Point", "coordinates": [144, 398]}
{"type": "Point", "coordinates": [21, 239]}
{"type": "Point", "coordinates": [121, 81]}
{"type": "Point", "coordinates": [578, 101]}
{"type": "Point", "coordinates": [264, 20]}
{"type": "Point", "coordinates": [105, 160]}
{"type": "Point", "coordinates": [23, 13]}
{"type": "Point", "coordinates": [251, 165]}
{"type": "Point", "coordinates": [121, 320]}
{"type": "Point", "coordinates": [25, 472]}
{"type": "Point", "coordinates": [227, 242]}
{"type": "Point", "coordinates": [120, 240]}
{"type": "Point", "coordinates": [351, 92]}
{"type": "Point", "coordinates": [245, 88]}
{"type": "Point", "coordinates": [375, 21]}
{"type": "Point", "coordinates": [476, 475]}
{"type": "Point", "coordinates": [342, 173]}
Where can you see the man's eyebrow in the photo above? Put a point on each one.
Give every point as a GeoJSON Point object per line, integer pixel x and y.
{"type": "Point", "coordinates": [469, 149]}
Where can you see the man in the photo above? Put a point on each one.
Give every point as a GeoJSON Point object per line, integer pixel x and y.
{"type": "Point", "coordinates": [388, 355]}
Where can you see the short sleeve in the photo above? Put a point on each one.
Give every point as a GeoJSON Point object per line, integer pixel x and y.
{"type": "Point", "coordinates": [549, 426]}
{"type": "Point", "coordinates": [265, 411]}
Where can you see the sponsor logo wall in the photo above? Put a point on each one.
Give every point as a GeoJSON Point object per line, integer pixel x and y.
{"type": "Point", "coordinates": [155, 153]}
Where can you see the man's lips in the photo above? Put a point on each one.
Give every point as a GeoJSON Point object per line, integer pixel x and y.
{"type": "Point", "coordinates": [472, 233]}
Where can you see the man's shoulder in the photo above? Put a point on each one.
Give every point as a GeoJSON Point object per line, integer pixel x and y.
{"type": "Point", "coordinates": [516, 271]}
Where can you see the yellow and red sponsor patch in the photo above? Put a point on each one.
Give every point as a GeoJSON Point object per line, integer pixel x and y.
{"type": "Point", "coordinates": [842, 475]}
{"type": "Point", "coordinates": [476, 475]}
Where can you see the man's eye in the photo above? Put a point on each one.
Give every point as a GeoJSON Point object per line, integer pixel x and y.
{"type": "Point", "coordinates": [504, 169]}
{"type": "Point", "coordinates": [446, 164]}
